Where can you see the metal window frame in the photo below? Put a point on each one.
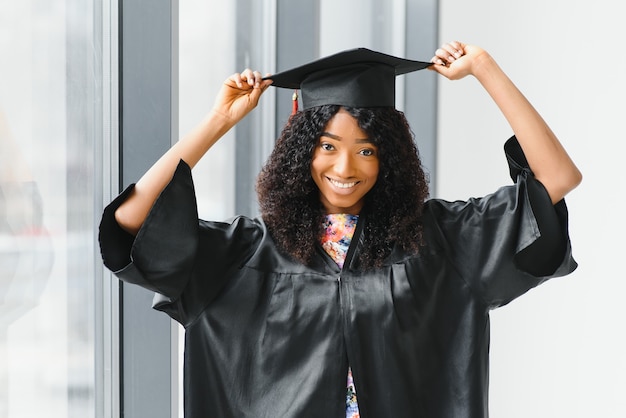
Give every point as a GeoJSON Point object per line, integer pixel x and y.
{"type": "Point", "coordinates": [107, 327]}
{"type": "Point", "coordinates": [148, 126]}
{"type": "Point", "coordinates": [420, 93]}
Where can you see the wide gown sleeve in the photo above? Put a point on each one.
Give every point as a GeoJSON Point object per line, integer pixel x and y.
{"type": "Point", "coordinates": [508, 242]}
{"type": "Point", "coordinates": [184, 260]}
{"type": "Point", "coordinates": [160, 257]}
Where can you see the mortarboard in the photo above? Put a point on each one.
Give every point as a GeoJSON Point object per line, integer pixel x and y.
{"type": "Point", "coordinates": [354, 78]}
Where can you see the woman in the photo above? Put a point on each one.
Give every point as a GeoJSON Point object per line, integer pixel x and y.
{"type": "Point", "coordinates": [349, 271]}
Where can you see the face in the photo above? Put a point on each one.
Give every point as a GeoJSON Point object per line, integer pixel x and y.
{"type": "Point", "coordinates": [345, 165]}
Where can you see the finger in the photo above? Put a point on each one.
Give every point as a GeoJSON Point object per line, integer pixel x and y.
{"type": "Point", "coordinates": [236, 79]}
{"type": "Point", "coordinates": [449, 52]}
{"type": "Point", "coordinates": [247, 76]}
{"type": "Point", "coordinates": [259, 89]}
{"type": "Point", "coordinates": [265, 84]}
{"type": "Point", "coordinates": [253, 78]}
{"type": "Point", "coordinates": [459, 48]}
{"type": "Point", "coordinates": [437, 60]}
{"type": "Point", "coordinates": [454, 51]}
{"type": "Point", "coordinates": [265, 81]}
{"type": "Point", "coordinates": [257, 78]}
{"type": "Point", "coordinates": [442, 69]}
{"type": "Point", "coordinates": [444, 56]}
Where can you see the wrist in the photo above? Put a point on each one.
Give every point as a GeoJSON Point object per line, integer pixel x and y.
{"type": "Point", "coordinates": [483, 64]}
{"type": "Point", "coordinates": [219, 120]}
{"type": "Point", "coordinates": [218, 116]}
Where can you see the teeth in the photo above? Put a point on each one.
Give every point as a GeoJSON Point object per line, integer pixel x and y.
{"type": "Point", "coordinates": [343, 185]}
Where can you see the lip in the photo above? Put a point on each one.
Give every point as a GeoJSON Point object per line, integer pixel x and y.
{"type": "Point", "coordinates": [342, 187]}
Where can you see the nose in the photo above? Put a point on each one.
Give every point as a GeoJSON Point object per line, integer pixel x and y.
{"type": "Point", "coordinates": [344, 165]}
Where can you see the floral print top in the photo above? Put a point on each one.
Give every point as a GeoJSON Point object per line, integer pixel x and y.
{"type": "Point", "coordinates": [338, 231]}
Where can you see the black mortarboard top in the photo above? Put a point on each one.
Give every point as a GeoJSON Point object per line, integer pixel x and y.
{"type": "Point", "coordinates": [354, 78]}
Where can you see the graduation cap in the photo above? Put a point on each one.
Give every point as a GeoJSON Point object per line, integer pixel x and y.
{"type": "Point", "coordinates": [355, 78]}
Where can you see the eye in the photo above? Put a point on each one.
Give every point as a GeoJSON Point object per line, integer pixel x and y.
{"type": "Point", "coordinates": [326, 146]}
{"type": "Point", "coordinates": [368, 152]}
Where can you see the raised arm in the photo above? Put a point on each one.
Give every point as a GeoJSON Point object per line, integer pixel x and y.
{"type": "Point", "coordinates": [237, 97]}
{"type": "Point", "coordinates": [546, 156]}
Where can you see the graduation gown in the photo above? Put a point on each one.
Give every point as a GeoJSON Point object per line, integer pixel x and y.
{"type": "Point", "coordinates": [269, 337]}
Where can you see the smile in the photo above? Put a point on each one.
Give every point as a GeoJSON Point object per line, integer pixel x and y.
{"type": "Point", "coordinates": [342, 185]}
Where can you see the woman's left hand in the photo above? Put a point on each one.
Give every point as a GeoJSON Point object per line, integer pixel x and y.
{"type": "Point", "coordinates": [455, 60]}
{"type": "Point", "coordinates": [546, 156]}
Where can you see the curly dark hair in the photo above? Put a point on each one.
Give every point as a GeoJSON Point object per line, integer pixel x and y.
{"type": "Point", "coordinates": [289, 199]}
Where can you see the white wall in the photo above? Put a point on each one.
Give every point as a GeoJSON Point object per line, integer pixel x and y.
{"type": "Point", "coordinates": [559, 351]}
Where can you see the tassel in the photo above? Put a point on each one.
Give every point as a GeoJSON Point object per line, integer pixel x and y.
{"type": "Point", "coordinates": [294, 102]}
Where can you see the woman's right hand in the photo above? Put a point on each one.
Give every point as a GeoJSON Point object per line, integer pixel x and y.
{"type": "Point", "coordinates": [240, 94]}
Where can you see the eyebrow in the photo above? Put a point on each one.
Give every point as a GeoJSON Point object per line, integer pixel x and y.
{"type": "Point", "coordinates": [338, 138]}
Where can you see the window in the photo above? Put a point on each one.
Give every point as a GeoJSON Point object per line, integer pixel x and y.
{"type": "Point", "coordinates": [50, 129]}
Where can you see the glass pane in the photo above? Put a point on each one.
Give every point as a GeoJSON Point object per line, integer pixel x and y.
{"type": "Point", "coordinates": [48, 119]}
{"type": "Point", "coordinates": [206, 58]}
{"type": "Point", "coordinates": [381, 25]}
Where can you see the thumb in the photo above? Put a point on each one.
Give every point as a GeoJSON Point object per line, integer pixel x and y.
{"type": "Point", "coordinates": [444, 70]}
{"type": "Point", "coordinates": [258, 90]}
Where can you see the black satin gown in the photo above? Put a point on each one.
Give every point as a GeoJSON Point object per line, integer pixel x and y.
{"type": "Point", "coordinates": [270, 337]}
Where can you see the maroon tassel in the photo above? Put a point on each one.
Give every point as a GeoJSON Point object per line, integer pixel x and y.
{"type": "Point", "coordinates": [294, 102]}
